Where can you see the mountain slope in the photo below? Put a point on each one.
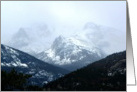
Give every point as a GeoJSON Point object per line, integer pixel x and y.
{"type": "Point", "coordinates": [41, 72]}
{"type": "Point", "coordinates": [104, 75]}
{"type": "Point", "coordinates": [71, 53]}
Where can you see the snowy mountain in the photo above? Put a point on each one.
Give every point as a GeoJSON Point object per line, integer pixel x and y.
{"type": "Point", "coordinates": [71, 53]}
{"type": "Point", "coordinates": [41, 72]}
{"type": "Point", "coordinates": [38, 38]}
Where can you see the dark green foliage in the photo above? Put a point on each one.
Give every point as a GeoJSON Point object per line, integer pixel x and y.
{"type": "Point", "coordinates": [95, 77]}
{"type": "Point", "coordinates": [13, 80]}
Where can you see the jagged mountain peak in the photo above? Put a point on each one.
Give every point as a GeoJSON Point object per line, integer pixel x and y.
{"type": "Point", "coordinates": [71, 50]}
{"type": "Point", "coordinates": [72, 41]}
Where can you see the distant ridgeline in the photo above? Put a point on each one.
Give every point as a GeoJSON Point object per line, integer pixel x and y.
{"type": "Point", "coordinates": [108, 74]}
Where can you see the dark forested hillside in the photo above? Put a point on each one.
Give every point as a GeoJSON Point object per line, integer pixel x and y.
{"type": "Point", "coordinates": [106, 74]}
{"type": "Point", "coordinates": [13, 80]}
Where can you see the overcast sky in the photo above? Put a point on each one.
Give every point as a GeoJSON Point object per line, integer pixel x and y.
{"type": "Point", "coordinates": [59, 14]}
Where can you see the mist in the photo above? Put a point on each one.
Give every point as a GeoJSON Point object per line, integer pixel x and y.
{"type": "Point", "coordinates": [99, 22]}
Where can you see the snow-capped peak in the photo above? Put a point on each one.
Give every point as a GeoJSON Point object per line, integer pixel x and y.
{"type": "Point", "coordinates": [72, 41]}
{"type": "Point", "coordinates": [69, 50]}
